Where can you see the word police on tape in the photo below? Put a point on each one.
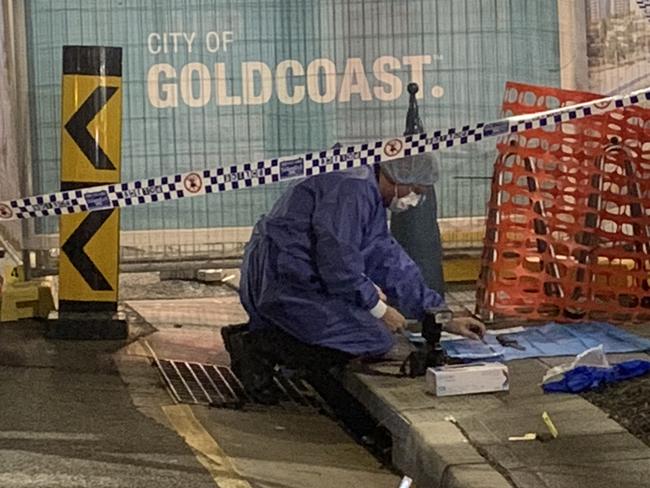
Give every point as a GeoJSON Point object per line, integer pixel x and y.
{"type": "Point", "coordinates": [247, 175]}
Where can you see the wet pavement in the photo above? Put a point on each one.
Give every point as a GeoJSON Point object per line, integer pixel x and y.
{"type": "Point", "coordinates": [96, 413]}
{"type": "Point", "coordinates": [68, 419]}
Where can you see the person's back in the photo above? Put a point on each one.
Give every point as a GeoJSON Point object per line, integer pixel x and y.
{"type": "Point", "coordinates": [309, 254]}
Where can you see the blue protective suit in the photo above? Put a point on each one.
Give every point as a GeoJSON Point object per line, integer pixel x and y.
{"type": "Point", "coordinates": [310, 266]}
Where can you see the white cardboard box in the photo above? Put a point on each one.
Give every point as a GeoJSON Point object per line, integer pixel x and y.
{"type": "Point", "coordinates": [464, 379]}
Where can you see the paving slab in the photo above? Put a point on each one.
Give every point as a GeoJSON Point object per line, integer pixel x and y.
{"type": "Point", "coordinates": [276, 448]}
{"type": "Point", "coordinates": [432, 449]}
{"type": "Point", "coordinates": [397, 402]}
{"type": "Point", "coordinates": [623, 474]}
{"type": "Point", "coordinates": [463, 440]}
{"type": "Point", "coordinates": [427, 444]}
{"type": "Point", "coordinates": [584, 450]}
{"type": "Point", "coordinates": [470, 476]}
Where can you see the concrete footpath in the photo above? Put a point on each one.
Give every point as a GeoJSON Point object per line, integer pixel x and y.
{"type": "Point", "coordinates": [67, 418]}
{"type": "Point", "coordinates": [462, 442]}
{"type": "Point", "coordinates": [455, 442]}
{"type": "Point", "coordinates": [96, 414]}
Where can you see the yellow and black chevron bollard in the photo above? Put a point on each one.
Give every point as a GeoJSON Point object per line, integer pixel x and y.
{"type": "Point", "coordinates": [90, 155]}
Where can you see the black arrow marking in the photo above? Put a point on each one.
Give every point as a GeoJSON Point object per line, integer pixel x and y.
{"type": "Point", "coordinates": [77, 126]}
{"type": "Point", "coordinates": [74, 249]}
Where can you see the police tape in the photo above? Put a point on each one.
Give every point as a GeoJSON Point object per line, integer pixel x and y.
{"type": "Point", "coordinates": [644, 5]}
{"type": "Point", "coordinates": [254, 174]}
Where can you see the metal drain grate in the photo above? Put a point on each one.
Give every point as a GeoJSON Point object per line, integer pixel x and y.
{"type": "Point", "coordinates": [204, 384]}
{"type": "Point", "coordinates": [217, 386]}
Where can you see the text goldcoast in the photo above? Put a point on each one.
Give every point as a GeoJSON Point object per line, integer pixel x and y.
{"type": "Point", "coordinates": [196, 84]}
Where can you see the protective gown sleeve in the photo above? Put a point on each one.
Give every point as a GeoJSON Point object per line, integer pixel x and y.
{"type": "Point", "coordinates": [339, 222]}
{"type": "Point", "coordinates": [399, 277]}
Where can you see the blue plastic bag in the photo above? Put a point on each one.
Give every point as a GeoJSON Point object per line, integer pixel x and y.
{"type": "Point", "coordinates": [584, 378]}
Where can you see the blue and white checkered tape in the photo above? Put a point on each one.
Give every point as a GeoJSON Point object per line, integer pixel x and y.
{"type": "Point", "coordinates": [644, 5]}
{"type": "Point", "coordinates": [269, 171]}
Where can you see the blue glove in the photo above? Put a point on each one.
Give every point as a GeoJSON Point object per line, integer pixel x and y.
{"type": "Point", "coordinates": [584, 378]}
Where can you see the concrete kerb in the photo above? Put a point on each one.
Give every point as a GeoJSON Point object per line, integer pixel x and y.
{"type": "Point", "coordinates": [438, 454]}
{"type": "Point", "coordinates": [428, 445]}
{"type": "Point", "coordinates": [464, 441]}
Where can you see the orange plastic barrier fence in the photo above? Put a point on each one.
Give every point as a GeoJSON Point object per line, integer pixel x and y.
{"type": "Point", "coordinates": [567, 234]}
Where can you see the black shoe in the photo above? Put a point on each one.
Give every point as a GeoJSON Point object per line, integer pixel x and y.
{"type": "Point", "coordinates": [229, 331]}
{"type": "Point", "coordinates": [249, 365]}
{"type": "Point", "coordinates": [261, 387]}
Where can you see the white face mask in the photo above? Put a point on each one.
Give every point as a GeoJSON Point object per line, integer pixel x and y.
{"type": "Point", "coordinates": [398, 205]}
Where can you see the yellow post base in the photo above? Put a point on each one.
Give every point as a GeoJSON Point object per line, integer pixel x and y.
{"type": "Point", "coordinates": [461, 268]}
{"type": "Point", "coordinates": [26, 299]}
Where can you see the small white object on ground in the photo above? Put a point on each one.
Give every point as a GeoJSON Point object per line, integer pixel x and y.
{"type": "Point", "coordinates": [406, 482]}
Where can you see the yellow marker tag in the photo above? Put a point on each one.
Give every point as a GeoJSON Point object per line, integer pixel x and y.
{"type": "Point", "coordinates": [530, 436]}
{"type": "Point", "coordinates": [550, 425]}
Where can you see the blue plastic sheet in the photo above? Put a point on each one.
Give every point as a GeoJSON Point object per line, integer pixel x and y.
{"type": "Point", "coordinates": [549, 340]}
{"type": "Point", "coordinates": [585, 378]}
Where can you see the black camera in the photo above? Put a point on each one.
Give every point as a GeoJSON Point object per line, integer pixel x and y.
{"type": "Point", "coordinates": [430, 354]}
